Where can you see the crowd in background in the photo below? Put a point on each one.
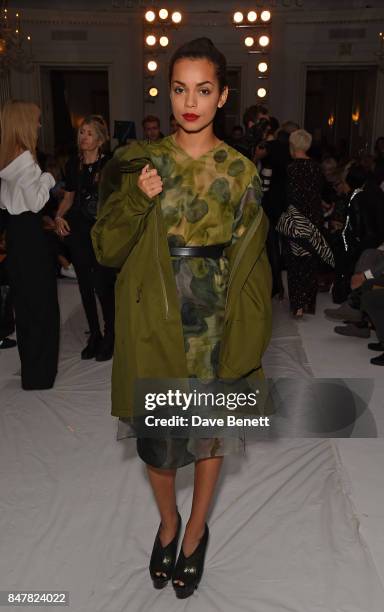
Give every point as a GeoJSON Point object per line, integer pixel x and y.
{"type": "Point", "coordinates": [326, 213]}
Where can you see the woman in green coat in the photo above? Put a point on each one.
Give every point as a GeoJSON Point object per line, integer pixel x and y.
{"type": "Point", "coordinates": [183, 221]}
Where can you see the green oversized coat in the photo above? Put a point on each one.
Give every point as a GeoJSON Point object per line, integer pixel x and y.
{"type": "Point", "coordinates": [130, 235]}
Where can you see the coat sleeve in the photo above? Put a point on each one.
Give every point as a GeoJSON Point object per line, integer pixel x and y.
{"type": "Point", "coordinates": [110, 181]}
{"type": "Point", "coordinates": [121, 219]}
{"type": "Point", "coordinates": [245, 213]}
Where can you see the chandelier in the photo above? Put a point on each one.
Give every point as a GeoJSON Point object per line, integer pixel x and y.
{"type": "Point", "coordinates": [15, 47]}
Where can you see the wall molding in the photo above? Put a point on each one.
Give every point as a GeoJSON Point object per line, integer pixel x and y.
{"type": "Point", "coordinates": [77, 18]}
{"type": "Point", "coordinates": [294, 16]}
{"type": "Point", "coordinates": [330, 17]}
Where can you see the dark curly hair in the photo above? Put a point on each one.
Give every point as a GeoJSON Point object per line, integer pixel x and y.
{"type": "Point", "coordinates": [202, 48]}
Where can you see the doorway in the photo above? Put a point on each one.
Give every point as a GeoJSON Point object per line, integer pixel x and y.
{"type": "Point", "coordinates": [339, 107]}
{"type": "Point", "coordinates": [68, 95]}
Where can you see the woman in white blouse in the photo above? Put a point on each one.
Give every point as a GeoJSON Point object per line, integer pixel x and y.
{"type": "Point", "coordinates": [31, 264]}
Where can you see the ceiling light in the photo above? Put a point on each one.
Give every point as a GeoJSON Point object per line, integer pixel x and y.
{"type": "Point", "coordinates": [264, 41]}
{"type": "Point", "coordinates": [150, 16]}
{"type": "Point", "coordinates": [265, 16]}
{"type": "Point", "coordinates": [176, 17]}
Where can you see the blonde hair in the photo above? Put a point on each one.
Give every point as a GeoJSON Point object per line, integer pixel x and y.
{"type": "Point", "coordinates": [300, 140]}
{"type": "Point", "coordinates": [19, 123]}
{"type": "Point", "coordinates": [99, 125]}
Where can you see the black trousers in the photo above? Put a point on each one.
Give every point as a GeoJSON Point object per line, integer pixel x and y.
{"type": "Point", "coordinates": [32, 276]}
{"type": "Point", "coordinates": [372, 302]}
{"type": "Point", "coordinates": [93, 278]}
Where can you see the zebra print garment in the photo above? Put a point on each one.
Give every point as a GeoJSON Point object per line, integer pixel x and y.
{"type": "Point", "coordinates": [304, 237]}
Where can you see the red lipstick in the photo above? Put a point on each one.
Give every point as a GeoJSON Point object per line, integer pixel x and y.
{"type": "Point", "coordinates": [190, 117]}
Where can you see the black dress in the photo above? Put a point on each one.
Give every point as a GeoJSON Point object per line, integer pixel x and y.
{"type": "Point", "coordinates": [304, 183]}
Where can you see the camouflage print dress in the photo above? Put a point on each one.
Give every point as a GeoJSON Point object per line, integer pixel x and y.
{"type": "Point", "coordinates": [205, 201]}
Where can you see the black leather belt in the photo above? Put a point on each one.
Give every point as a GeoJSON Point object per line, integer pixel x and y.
{"type": "Point", "coordinates": [213, 251]}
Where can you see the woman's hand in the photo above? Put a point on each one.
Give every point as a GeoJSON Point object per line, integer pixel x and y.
{"type": "Point", "coordinates": [62, 227]}
{"type": "Point", "coordinates": [150, 182]}
{"type": "Point", "coordinates": [48, 223]}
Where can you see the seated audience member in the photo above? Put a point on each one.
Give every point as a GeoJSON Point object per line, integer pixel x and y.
{"type": "Point", "coordinates": [368, 277]}
{"type": "Point", "coordinates": [151, 128]}
{"type": "Point", "coordinates": [363, 227]}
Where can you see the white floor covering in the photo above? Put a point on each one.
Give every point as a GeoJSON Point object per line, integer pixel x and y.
{"type": "Point", "coordinates": [296, 526]}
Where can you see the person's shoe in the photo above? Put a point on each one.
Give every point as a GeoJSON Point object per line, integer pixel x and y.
{"type": "Point", "coordinates": [189, 570]}
{"type": "Point", "coordinates": [7, 343]}
{"type": "Point", "coordinates": [105, 350]}
{"type": "Point", "coordinates": [376, 346]}
{"type": "Point", "coordinates": [378, 360]}
{"type": "Point", "coordinates": [163, 559]}
{"type": "Point", "coordinates": [344, 313]}
{"type": "Point", "coordinates": [68, 272]}
{"type": "Point", "coordinates": [90, 351]}
{"type": "Point", "coordinates": [352, 330]}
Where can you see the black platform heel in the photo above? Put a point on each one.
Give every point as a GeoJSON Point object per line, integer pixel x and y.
{"type": "Point", "coordinates": [189, 570]}
{"type": "Point", "coordinates": [163, 559]}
